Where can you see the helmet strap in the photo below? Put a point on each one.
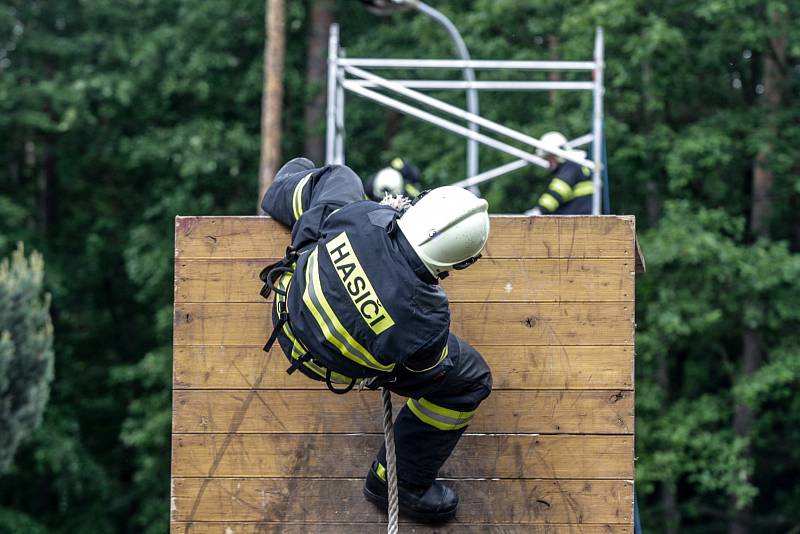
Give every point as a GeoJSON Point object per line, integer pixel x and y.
{"type": "Point", "coordinates": [466, 263]}
{"type": "Point", "coordinates": [419, 197]}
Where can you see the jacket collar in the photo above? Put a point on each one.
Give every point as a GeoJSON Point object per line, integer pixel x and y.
{"type": "Point", "coordinates": [408, 253]}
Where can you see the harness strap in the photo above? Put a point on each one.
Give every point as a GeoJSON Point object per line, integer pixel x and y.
{"type": "Point", "coordinates": [283, 318]}
{"type": "Point", "coordinates": [333, 389]}
{"type": "Point", "coordinates": [270, 273]}
{"type": "Point", "coordinates": [298, 363]}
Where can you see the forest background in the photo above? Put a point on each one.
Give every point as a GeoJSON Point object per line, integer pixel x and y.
{"type": "Point", "coordinates": [116, 116]}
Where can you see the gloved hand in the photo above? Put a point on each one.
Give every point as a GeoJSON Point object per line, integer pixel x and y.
{"type": "Point", "coordinates": [534, 211]}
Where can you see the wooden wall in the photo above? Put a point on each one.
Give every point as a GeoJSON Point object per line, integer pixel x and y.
{"type": "Point", "coordinates": [551, 308]}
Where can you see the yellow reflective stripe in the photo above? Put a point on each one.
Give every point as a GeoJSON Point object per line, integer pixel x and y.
{"type": "Point", "coordinates": [381, 472]}
{"type": "Point", "coordinates": [298, 350]}
{"type": "Point", "coordinates": [548, 201]}
{"type": "Point", "coordinates": [357, 284]}
{"type": "Point", "coordinates": [584, 188]}
{"type": "Point", "coordinates": [412, 190]}
{"type": "Point", "coordinates": [440, 360]}
{"type": "Point", "coordinates": [586, 171]}
{"type": "Point", "coordinates": [297, 197]}
{"type": "Point", "coordinates": [397, 163]}
{"type": "Point", "coordinates": [447, 412]}
{"type": "Point", "coordinates": [333, 330]}
{"type": "Point", "coordinates": [437, 416]}
{"type": "Point", "coordinates": [562, 188]}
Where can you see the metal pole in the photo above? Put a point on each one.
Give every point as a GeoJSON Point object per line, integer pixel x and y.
{"type": "Point", "coordinates": [339, 139]}
{"type": "Point", "coordinates": [489, 85]}
{"type": "Point", "coordinates": [330, 132]}
{"type": "Point", "coordinates": [491, 174]}
{"type": "Point", "coordinates": [460, 113]}
{"type": "Point", "coordinates": [485, 176]}
{"type": "Point", "coordinates": [380, 63]}
{"type": "Point", "coordinates": [597, 121]}
{"type": "Point", "coordinates": [579, 141]}
{"type": "Point", "coordinates": [469, 76]}
{"type": "Point", "coordinates": [442, 123]}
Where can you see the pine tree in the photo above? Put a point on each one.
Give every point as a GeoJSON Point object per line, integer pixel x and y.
{"type": "Point", "coordinates": [26, 350]}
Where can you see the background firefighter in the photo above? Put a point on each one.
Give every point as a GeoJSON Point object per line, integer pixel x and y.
{"type": "Point", "coordinates": [401, 177]}
{"type": "Point", "coordinates": [570, 190]}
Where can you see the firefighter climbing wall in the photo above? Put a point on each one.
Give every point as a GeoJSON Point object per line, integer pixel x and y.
{"type": "Point", "coordinates": [551, 308]}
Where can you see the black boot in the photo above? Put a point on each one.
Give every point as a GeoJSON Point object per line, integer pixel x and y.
{"type": "Point", "coordinates": [434, 504]}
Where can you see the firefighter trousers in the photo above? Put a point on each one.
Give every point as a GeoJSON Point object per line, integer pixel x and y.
{"type": "Point", "coordinates": [437, 412]}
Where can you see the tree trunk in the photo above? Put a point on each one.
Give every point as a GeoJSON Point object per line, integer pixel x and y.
{"type": "Point", "coordinates": [761, 203]}
{"type": "Point", "coordinates": [553, 75]}
{"type": "Point", "coordinates": [669, 505]}
{"type": "Point", "coordinates": [667, 490]}
{"type": "Point", "coordinates": [794, 205]}
{"type": "Point", "coordinates": [392, 121]}
{"type": "Point", "coordinates": [48, 181]}
{"type": "Point", "coordinates": [316, 70]}
{"type": "Point", "coordinates": [272, 95]}
{"type": "Point", "coordinates": [753, 351]}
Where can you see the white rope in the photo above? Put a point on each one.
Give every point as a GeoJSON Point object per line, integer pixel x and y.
{"type": "Point", "coordinates": [391, 465]}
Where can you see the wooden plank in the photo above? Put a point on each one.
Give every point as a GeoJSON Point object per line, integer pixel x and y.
{"type": "Point", "coordinates": [490, 280]}
{"type": "Point", "coordinates": [513, 367]}
{"type": "Point", "coordinates": [348, 456]}
{"type": "Point", "coordinates": [527, 501]}
{"type": "Point", "coordinates": [480, 324]}
{"type": "Point", "coordinates": [265, 527]}
{"type": "Point", "coordinates": [315, 411]}
{"type": "Point", "coordinates": [608, 236]}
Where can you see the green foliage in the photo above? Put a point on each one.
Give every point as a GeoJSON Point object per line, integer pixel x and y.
{"type": "Point", "coordinates": [26, 350]}
{"type": "Point", "coordinates": [141, 111]}
{"type": "Point", "coordinates": [13, 522]}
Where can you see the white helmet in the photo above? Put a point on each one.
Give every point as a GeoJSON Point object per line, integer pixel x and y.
{"type": "Point", "coordinates": [556, 140]}
{"type": "Point", "coordinates": [448, 228]}
{"type": "Point", "coordinates": [389, 181]}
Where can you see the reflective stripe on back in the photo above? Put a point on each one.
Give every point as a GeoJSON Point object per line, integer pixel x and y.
{"type": "Point", "coordinates": [357, 284]}
{"type": "Point", "coordinates": [332, 328]}
{"type": "Point", "coordinates": [298, 349]}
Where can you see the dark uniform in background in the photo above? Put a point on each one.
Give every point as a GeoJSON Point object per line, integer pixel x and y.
{"type": "Point", "coordinates": [359, 304]}
{"type": "Point", "coordinates": [570, 191]}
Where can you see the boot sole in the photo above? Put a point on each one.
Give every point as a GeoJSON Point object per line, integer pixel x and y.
{"type": "Point", "coordinates": [422, 517]}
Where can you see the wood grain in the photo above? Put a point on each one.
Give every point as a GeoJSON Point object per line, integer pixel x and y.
{"type": "Point", "coordinates": [315, 411]}
{"type": "Point", "coordinates": [608, 236]}
{"type": "Point", "coordinates": [551, 309]}
{"type": "Point", "coordinates": [265, 527]}
{"type": "Point", "coordinates": [308, 500]}
{"type": "Point", "coordinates": [480, 324]}
{"type": "Point", "coordinates": [477, 456]}
{"type": "Point", "coordinates": [489, 280]}
{"type": "Point", "coordinates": [513, 367]}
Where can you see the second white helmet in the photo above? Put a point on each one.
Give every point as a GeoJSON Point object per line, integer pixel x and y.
{"type": "Point", "coordinates": [556, 140]}
{"type": "Point", "coordinates": [387, 181]}
{"type": "Point", "coordinates": [448, 228]}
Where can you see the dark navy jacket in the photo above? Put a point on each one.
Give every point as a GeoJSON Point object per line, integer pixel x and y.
{"type": "Point", "coordinates": [569, 192]}
{"type": "Point", "coordinates": [360, 301]}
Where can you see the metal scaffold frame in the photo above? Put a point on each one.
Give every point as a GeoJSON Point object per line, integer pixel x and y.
{"type": "Point", "coordinates": [351, 74]}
